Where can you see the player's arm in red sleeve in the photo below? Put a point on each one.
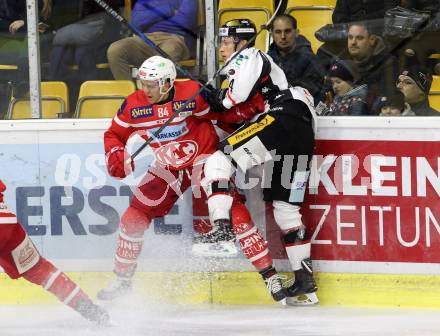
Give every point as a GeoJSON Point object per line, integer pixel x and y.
{"type": "Point", "coordinates": [117, 158]}
{"type": "Point", "coordinates": [239, 113]}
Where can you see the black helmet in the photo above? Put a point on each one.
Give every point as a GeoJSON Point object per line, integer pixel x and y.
{"type": "Point", "coordinates": [240, 29]}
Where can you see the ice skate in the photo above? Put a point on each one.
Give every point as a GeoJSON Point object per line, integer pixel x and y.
{"type": "Point", "coordinates": [220, 242]}
{"type": "Point", "coordinates": [117, 288]}
{"type": "Point", "coordinates": [274, 285]}
{"type": "Point", "coordinates": [93, 312]}
{"type": "Point", "coordinates": [302, 290]}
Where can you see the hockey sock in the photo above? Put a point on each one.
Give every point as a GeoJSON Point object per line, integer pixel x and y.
{"type": "Point", "coordinates": [252, 243]}
{"type": "Point", "coordinates": [45, 274]}
{"type": "Point", "coordinates": [297, 247]}
{"type": "Point", "coordinates": [134, 222]}
{"type": "Point", "coordinates": [127, 252]}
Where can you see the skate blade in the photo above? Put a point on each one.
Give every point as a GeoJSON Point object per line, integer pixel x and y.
{"type": "Point", "coordinates": [219, 250]}
{"type": "Point", "coordinates": [308, 299]}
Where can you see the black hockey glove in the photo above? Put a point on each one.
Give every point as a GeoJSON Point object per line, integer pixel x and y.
{"type": "Point", "coordinates": [214, 97]}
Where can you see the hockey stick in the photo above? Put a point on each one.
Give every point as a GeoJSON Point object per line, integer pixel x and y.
{"type": "Point", "coordinates": [142, 36]}
{"type": "Point", "coordinates": [183, 106]}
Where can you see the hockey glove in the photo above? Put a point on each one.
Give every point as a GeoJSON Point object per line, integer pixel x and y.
{"type": "Point", "coordinates": [214, 97]}
{"type": "Point", "coordinates": [244, 111]}
{"type": "Point", "coordinates": [251, 107]}
{"type": "Point", "coordinates": [119, 162]}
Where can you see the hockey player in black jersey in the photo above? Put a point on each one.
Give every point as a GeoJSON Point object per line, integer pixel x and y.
{"type": "Point", "coordinates": [283, 135]}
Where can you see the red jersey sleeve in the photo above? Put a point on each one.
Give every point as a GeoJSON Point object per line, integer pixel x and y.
{"type": "Point", "coordinates": [241, 112]}
{"type": "Point", "coordinates": [120, 130]}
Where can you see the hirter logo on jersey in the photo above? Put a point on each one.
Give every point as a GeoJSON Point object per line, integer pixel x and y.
{"type": "Point", "coordinates": [142, 112]}
{"type": "Point", "coordinates": [189, 106]}
{"type": "Point", "coordinates": [177, 154]}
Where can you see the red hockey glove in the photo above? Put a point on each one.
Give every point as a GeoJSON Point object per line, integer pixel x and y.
{"type": "Point", "coordinates": [244, 111]}
{"type": "Point", "coordinates": [251, 107]}
{"type": "Point", "coordinates": [119, 162]}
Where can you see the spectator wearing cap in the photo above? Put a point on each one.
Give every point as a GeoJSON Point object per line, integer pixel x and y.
{"type": "Point", "coordinates": [349, 97]}
{"type": "Point", "coordinates": [393, 105]}
{"type": "Point", "coordinates": [293, 53]}
{"type": "Point", "coordinates": [415, 83]}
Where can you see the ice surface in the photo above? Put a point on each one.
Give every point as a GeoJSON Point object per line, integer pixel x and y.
{"type": "Point", "coordinates": [133, 318]}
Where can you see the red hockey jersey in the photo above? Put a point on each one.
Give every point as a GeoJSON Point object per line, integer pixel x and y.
{"type": "Point", "coordinates": [188, 138]}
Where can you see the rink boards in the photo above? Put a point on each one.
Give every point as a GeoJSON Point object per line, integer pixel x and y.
{"type": "Point", "coordinates": [372, 211]}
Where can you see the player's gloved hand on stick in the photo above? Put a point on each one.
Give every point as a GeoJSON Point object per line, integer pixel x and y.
{"type": "Point", "coordinates": [214, 97]}
{"type": "Point", "coordinates": [119, 162]}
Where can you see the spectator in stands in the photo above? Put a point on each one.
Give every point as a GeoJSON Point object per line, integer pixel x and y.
{"type": "Point", "coordinates": [355, 10]}
{"type": "Point", "coordinates": [394, 105]}
{"type": "Point", "coordinates": [293, 53]}
{"type": "Point", "coordinates": [77, 43]}
{"type": "Point", "coordinates": [415, 83]}
{"type": "Point", "coordinates": [169, 24]}
{"type": "Point", "coordinates": [347, 11]}
{"type": "Point", "coordinates": [349, 98]}
{"type": "Point", "coordinates": [376, 66]}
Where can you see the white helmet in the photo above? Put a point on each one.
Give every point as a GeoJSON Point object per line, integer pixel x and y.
{"type": "Point", "coordinates": [158, 68]}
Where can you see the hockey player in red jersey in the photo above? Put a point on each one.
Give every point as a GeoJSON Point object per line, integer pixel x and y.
{"type": "Point", "coordinates": [20, 259]}
{"type": "Point", "coordinates": [284, 130]}
{"type": "Point", "coordinates": [181, 150]}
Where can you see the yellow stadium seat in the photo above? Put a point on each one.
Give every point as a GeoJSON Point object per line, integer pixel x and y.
{"type": "Point", "coordinates": [258, 11]}
{"type": "Point", "coordinates": [434, 93]}
{"type": "Point", "coordinates": [101, 99]}
{"type": "Point", "coordinates": [435, 86]}
{"type": "Point", "coordinates": [54, 102]}
{"type": "Point", "coordinates": [311, 15]}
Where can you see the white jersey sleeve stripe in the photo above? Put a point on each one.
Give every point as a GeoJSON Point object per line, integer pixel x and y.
{"type": "Point", "coordinates": [205, 111]}
{"type": "Point", "coordinates": [120, 122]}
{"type": "Point", "coordinates": [8, 220]}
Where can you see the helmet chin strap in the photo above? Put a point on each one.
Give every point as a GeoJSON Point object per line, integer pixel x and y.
{"type": "Point", "coordinates": [162, 94]}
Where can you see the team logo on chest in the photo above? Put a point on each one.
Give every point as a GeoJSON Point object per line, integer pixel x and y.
{"type": "Point", "coordinates": [176, 153]}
